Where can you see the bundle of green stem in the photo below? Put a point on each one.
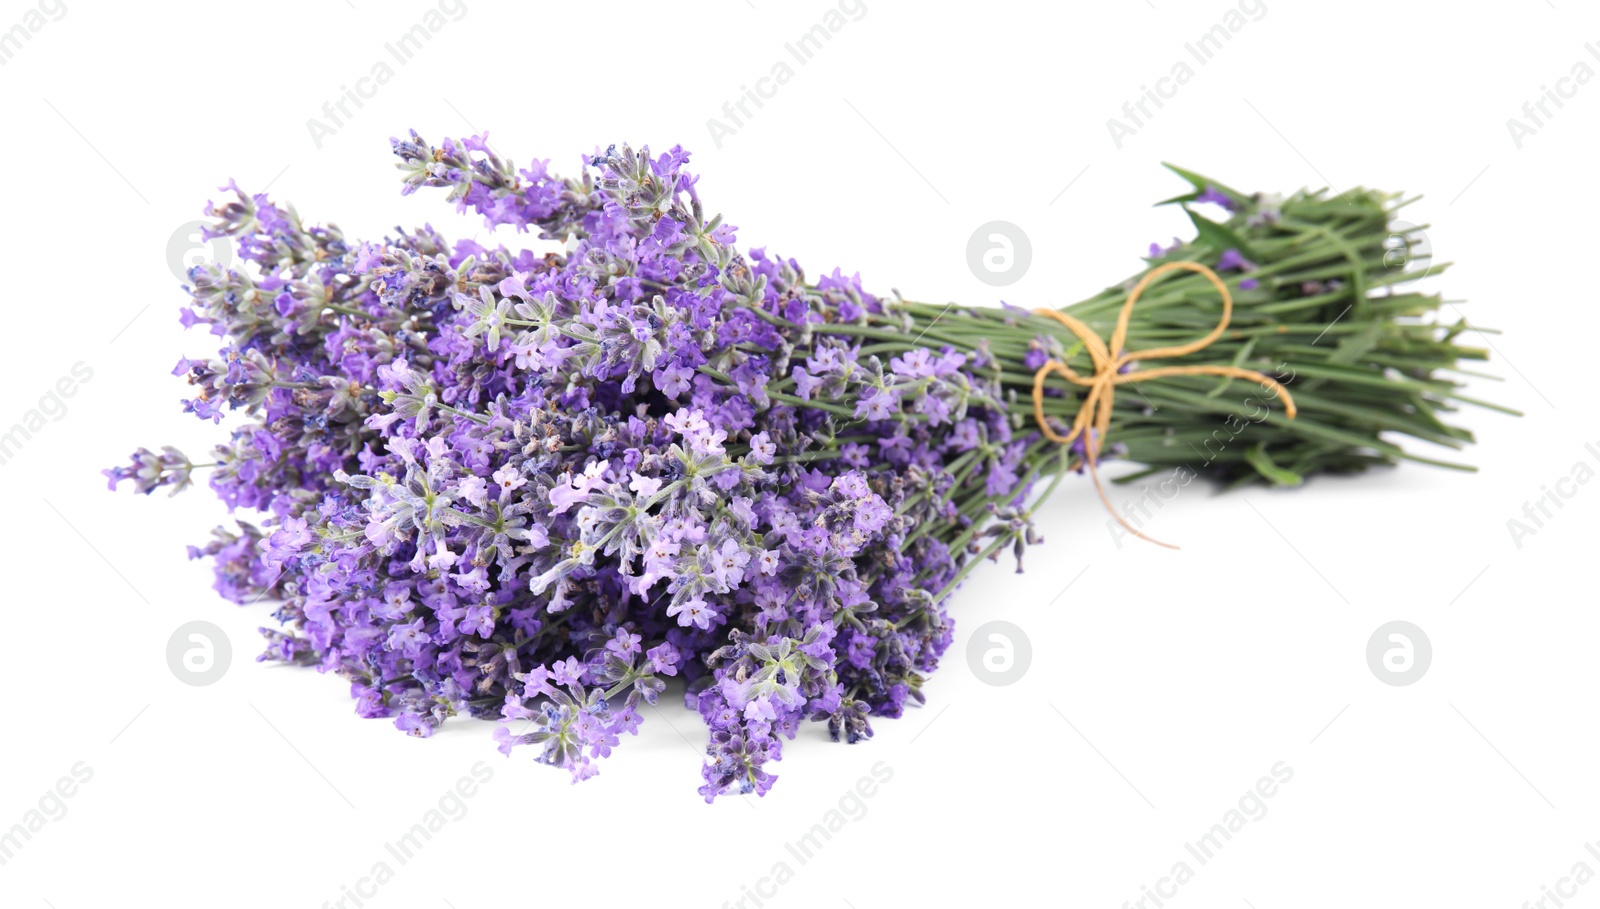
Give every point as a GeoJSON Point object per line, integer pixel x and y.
{"type": "Point", "coordinates": [1323, 301]}
{"type": "Point", "coordinates": [656, 442]}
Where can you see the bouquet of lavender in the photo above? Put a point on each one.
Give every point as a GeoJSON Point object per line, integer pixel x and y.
{"type": "Point", "coordinates": [532, 487]}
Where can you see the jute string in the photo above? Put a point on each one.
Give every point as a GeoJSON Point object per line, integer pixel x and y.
{"type": "Point", "coordinates": [1093, 420]}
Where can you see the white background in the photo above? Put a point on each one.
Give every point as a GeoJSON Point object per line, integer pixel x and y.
{"type": "Point", "coordinates": [1162, 684]}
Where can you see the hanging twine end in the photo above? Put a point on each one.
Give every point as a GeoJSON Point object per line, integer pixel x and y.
{"type": "Point", "coordinates": [1113, 366]}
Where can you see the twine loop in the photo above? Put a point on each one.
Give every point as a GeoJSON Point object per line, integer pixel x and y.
{"type": "Point", "coordinates": [1093, 420]}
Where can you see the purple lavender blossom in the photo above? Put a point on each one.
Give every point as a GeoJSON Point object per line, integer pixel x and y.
{"type": "Point", "coordinates": [533, 487]}
{"type": "Point", "coordinates": [1216, 196]}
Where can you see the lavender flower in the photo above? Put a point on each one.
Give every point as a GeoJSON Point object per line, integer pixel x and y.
{"type": "Point", "coordinates": [532, 487]}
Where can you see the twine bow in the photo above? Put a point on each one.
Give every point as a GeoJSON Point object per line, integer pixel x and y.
{"type": "Point", "coordinates": [1094, 417]}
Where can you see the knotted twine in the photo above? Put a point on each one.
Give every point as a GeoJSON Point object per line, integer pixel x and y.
{"type": "Point", "coordinates": [1093, 420]}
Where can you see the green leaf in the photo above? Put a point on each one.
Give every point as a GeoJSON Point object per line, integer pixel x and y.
{"type": "Point", "coordinates": [1238, 360]}
{"type": "Point", "coordinates": [1355, 345]}
{"type": "Point", "coordinates": [1200, 183]}
{"type": "Point", "coordinates": [1259, 459]}
{"type": "Point", "coordinates": [1219, 237]}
